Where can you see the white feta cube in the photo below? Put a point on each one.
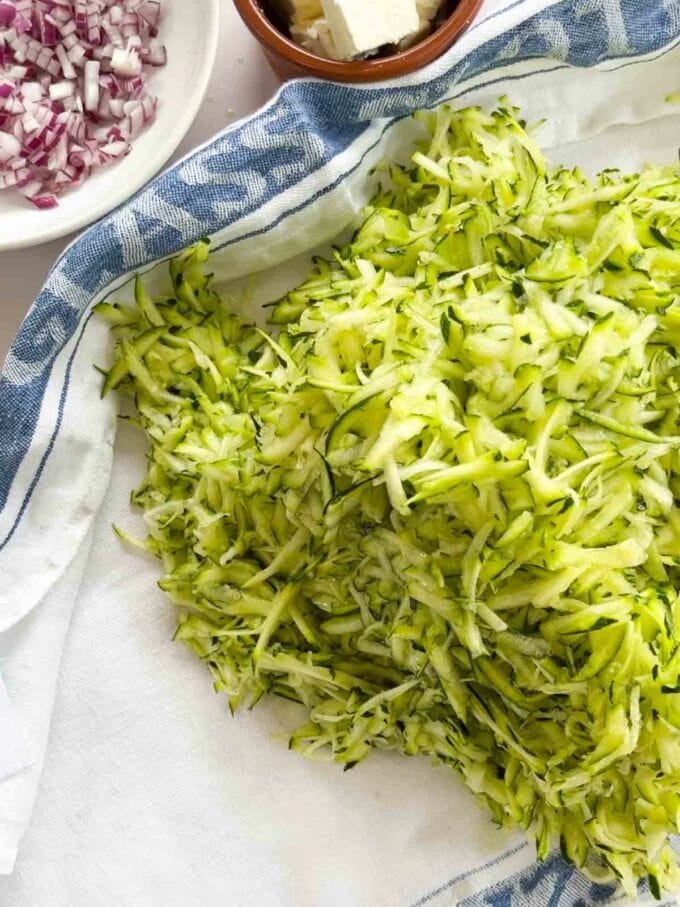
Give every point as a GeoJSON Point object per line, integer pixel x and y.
{"type": "Point", "coordinates": [315, 36]}
{"type": "Point", "coordinates": [360, 26]}
{"type": "Point", "coordinates": [427, 9]}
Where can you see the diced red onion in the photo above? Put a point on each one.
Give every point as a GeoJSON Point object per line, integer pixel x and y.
{"type": "Point", "coordinates": [91, 87]}
{"type": "Point", "coordinates": [22, 24]}
{"type": "Point", "coordinates": [150, 11]}
{"type": "Point", "coordinates": [72, 89]}
{"type": "Point", "coordinates": [67, 29]}
{"type": "Point", "coordinates": [10, 147]}
{"type": "Point", "coordinates": [61, 90]}
{"type": "Point", "coordinates": [32, 91]}
{"type": "Point", "coordinates": [45, 200]}
{"type": "Point", "coordinates": [7, 13]}
{"type": "Point", "coordinates": [156, 55]}
{"type": "Point", "coordinates": [126, 63]}
{"type": "Point", "coordinates": [67, 67]}
{"type": "Point", "coordinates": [31, 188]}
{"type": "Point", "coordinates": [77, 54]}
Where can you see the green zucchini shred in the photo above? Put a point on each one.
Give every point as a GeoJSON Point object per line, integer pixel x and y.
{"type": "Point", "coordinates": [438, 508]}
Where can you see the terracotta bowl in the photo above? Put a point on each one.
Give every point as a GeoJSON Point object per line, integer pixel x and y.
{"type": "Point", "coordinates": [289, 60]}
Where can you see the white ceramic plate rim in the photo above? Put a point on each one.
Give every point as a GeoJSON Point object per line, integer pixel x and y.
{"type": "Point", "coordinates": [148, 166]}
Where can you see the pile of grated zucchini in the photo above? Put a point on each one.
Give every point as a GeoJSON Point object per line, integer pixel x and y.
{"type": "Point", "coordinates": [437, 505]}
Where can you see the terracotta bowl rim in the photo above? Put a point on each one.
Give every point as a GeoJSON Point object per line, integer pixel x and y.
{"type": "Point", "coordinates": [399, 64]}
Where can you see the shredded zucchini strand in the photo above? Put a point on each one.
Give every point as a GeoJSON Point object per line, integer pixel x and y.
{"type": "Point", "coordinates": [440, 508]}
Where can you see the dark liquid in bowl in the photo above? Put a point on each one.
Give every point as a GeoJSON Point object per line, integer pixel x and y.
{"type": "Point", "coordinates": [275, 16]}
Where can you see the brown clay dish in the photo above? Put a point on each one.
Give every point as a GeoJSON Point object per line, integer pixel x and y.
{"type": "Point", "coordinates": [289, 60]}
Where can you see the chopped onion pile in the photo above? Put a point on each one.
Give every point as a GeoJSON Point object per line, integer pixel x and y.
{"type": "Point", "coordinates": [73, 91]}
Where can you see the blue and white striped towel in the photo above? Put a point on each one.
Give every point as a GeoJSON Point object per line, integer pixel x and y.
{"type": "Point", "coordinates": [150, 795]}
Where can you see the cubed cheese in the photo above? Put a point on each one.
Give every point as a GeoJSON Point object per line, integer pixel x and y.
{"type": "Point", "coordinates": [315, 36]}
{"type": "Point", "coordinates": [360, 26]}
{"type": "Point", "coordinates": [427, 9]}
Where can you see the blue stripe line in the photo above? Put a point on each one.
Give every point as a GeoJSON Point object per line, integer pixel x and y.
{"type": "Point", "coordinates": [471, 872]}
{"type": "Point", "coordinates": [329, 188]}
{"type": "Point", "coordinates": [50, 446]}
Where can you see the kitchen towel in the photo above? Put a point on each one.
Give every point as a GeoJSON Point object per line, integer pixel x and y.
{"type": "Point", "coordinates": [14, 752]}
{"type": "Point", "coordinates": [151, 794]}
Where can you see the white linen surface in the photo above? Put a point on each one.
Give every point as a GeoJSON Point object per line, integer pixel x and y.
{"type": "Point", "coordinates": [151, 794]}
{"type": "Point", "coordinates": [14, 752]}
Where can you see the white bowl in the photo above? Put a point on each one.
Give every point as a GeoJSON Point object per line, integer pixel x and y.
{"type": "Point", "coordinates": [189, 29]}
